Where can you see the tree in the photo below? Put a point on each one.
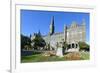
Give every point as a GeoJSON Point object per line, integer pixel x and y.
{"type": "Point", "coordinates": [65, 45]}
{"type": "Point", "coordinates": [38, 41]}
{"type": "Point", "coordinates": [25, 42]}
{"type": "Point", "coordinates": [84, 46]}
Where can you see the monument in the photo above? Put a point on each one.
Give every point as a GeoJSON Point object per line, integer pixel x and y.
{"type": "Point", "coordinates": [59, 51]}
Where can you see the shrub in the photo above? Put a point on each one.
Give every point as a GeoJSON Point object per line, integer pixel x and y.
{"type": "Point", "coordinates": [84, 46]}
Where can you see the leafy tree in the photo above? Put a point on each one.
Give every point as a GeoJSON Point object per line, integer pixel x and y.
{"type": "Point", "coordinates": [84, 46]}
{"type": "Point", "coordinates": [65, 45]}
{"type": "Point", "coordinates": [38, 41]}
{"type": "Point", "coordinates": [25, 42]}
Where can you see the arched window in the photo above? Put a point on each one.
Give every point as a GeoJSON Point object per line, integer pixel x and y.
{"type": "Point", "coordinates": [72, 45]}
{"type": "Point", "coordinates": [76, 45]}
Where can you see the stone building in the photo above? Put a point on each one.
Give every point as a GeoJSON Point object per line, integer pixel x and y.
{"type": "Point", "coordinates": [71, 35]}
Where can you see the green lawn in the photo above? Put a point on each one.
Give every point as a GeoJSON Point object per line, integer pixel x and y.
{"type": "Point", "coordinates": [41, 58]}
{"type": "Point", "coordinates": [85, 55]}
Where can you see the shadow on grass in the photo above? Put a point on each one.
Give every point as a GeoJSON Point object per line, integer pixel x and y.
{"type": "Point", "coordinates": [67, 57]}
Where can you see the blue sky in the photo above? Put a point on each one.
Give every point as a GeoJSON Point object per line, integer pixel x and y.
{"type": "Point", "coordinates": [34, 20]}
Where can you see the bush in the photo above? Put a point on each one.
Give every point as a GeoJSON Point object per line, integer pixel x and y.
{"type": "Point", "coordinates": [84, 46]}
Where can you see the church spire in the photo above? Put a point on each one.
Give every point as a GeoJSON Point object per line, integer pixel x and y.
{"type": "Point", "coordinates": [52, 28]}
{"type": "Point", "coordinates": [65, 33]}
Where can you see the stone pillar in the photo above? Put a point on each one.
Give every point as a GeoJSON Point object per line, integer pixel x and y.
{"type": "Point", "coordinates": [74, 45]}
{"type": "Point", "coordinates": [65, 33]}
{"type": "Point", "coordinates": [71, 46]}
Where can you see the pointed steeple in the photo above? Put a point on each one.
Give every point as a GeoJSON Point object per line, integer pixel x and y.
{"type": "Point", "coordinates": [65, 33]}
{"type": "Point", "coordinates": [52, 28]}
{"type": "Point", "coordinates": [52, 21]}
{"type": "Point", "coordinates": [39, 33]}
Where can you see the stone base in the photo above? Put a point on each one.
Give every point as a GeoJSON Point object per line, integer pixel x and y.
{"type": "Point", "coordinates": [59, 52]}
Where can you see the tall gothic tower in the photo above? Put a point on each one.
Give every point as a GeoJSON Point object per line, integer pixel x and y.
{"type": "Point", "coordinates": [52, 28]}
{"type": "Point", "coordinates": [65, 33]}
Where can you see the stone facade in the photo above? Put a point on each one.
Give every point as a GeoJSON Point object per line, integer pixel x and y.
{"type": "Point", "coordinates": [71, 35]}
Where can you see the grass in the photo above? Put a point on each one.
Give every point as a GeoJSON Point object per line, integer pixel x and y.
{"type": "Point", "coordinates": [41, 58]}
{"type": "Point", "coordinates": [85, 55]}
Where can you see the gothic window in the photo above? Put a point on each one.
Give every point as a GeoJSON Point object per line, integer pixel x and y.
{"type": "Point", "coordinates": [76, 45]}
{"type": "Point", "coordinates": [72, 45]}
